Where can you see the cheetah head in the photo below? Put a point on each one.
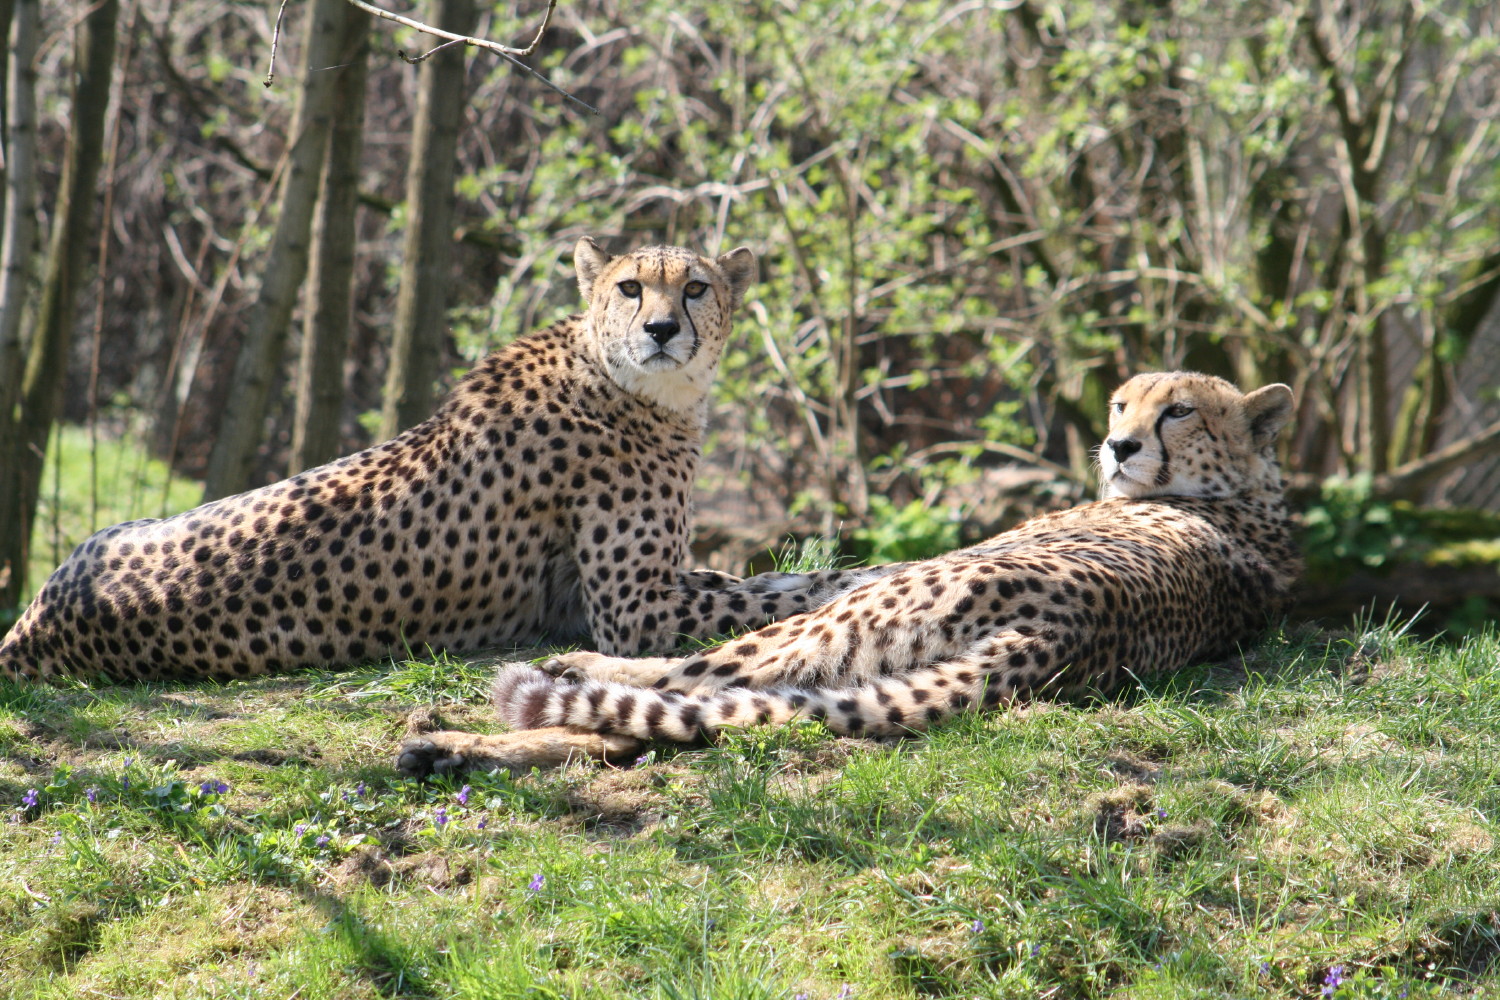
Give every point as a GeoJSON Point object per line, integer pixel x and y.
{"type": "Point", "coordinates": [658, 318]}
{"type": "Point", "coordinates": [1185, 434]}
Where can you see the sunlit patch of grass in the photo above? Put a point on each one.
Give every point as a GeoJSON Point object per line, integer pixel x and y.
{"type": "Point", "coordinates": [439, 678]}
{"type": "Point", "coordinates": [1320, 814]}
{"type": "Point", "coordinates": [810, 555]}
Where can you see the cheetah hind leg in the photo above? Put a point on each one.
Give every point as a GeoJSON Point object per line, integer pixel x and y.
{"type": "Point", "coordinates": [641, 672]}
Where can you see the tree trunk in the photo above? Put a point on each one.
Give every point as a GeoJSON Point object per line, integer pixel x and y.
{"type": "Point", "coordinates": [74, 234]}
{"type": "Point", "coordinates": [7, 14]}
{"type": "Point", "coordinates": [325, 332]}
{"type": "Point", "coordinates": [16, 246]}
{"type": "Point", "coordinates": [241, 428]}
{"type": "Point", "coordinates": [421, 304]}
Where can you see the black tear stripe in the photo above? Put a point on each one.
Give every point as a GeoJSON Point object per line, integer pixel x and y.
{"type": "Point", "coordinates": [693, 353]}
{"type": "Point", "coordinates": [1163, 471]}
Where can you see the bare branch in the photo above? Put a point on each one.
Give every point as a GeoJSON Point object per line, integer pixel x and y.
{"type": "Point", "coordinates": [1408, 478]}
{"type": "Point", "coordinates": [919, 458]}
{"type": "Point", "coordinates": [507, 52]}
{"type": "Point", "coordinates": [483, 43]}
{"type": "Point", "coordinates": [413, 60]}
{"type": "Point", "coordinates": [275, 37]}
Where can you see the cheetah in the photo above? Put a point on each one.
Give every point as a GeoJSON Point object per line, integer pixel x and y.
{"type": "Point", "coordinates": [548, 496]}
{"type": "Point", "coordinates": [1188, 553]}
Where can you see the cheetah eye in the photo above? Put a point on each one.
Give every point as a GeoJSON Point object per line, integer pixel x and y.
{"type": "Point", "coordinates": [695, 289]}
{"type": "Point", "coordinates": [1118, 406]}
{"type": "Point", "coordinates": [630, 289]}
{"type": "Point", "coordinates": [1178, 410]}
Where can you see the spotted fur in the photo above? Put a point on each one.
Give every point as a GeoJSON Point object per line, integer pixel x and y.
{"type": "Point", "coordinates": [549, 495]}
{"type": "Point", "coordinates": [1188, 554]}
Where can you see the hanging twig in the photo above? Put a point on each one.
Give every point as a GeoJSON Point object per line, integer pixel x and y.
{"type": "Point", "coordinates": [413, 60]}
{"type": "Point", "coordinates": [548, 83]}
{"type": "Point", "coordinates": [275, 37]}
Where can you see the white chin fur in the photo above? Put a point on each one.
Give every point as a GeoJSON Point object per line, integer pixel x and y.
{"type": "Point", "coordinates": [1118, 483]}
{"type": "Point", "coordinates": [675, 389]}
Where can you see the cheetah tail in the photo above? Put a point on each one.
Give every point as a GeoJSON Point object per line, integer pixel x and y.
{"type": "Point", "coordinates": [528, 699]}
{"type": "Point", "coordinates": [518, 692]}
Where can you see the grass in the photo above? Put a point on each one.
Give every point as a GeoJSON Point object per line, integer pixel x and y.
{"type": "Point", "coordinates": [1318, 820]}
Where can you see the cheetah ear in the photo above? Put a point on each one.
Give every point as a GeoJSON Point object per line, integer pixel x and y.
{"type": "Point", "coordinates": [1267, 409]}
{"type": "Point", "coordinates": [738, 266]}
{"type": "Point", "coordinates": [589, 259]}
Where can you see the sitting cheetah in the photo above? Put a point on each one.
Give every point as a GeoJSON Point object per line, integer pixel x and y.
{"type": "Point", "coordinates": [1189, 553]}
{"type": "Point", "coordinates": [547, 496]}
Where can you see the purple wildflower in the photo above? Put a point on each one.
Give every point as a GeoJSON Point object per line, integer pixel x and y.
{"type": "Point", "coordinates": [1332, 980]}
{"type": "Point", "coordinates": [440, 817]}
{"type": "Point", "coordinates": [799, 996]}
{"type": "Point", "coordinates": [463, 796]}
{"type": "Point", "coordinates": [212, 787]}
{"type": "Point", "coordinates": [1036, 950]}
{"type": "Point", "coordinates": [124, 784]}
{"type": "Point", "coordinates": [57, 838]}
{"type": "Point", "coordinates": [484, 821]}
{"type": "Point", "coordinates": [128, 761]}
{"type": "Point", "coordinates": [845, 993]}
{"type": "Point", "coordinates": [1265, 968]}
{"type": "Point", "coordinates": [1161, 814]}
{"type": "Point", "coordinates": [536, 883]}
{"type": "Point", "coordinates": [92, 794]}
{"type": "Point", "coordinates": [321, 841]}
{"type": "Point", "coordinates": [642, 759]}
{"type": "Point", "coordinates": [29, 800]}
{"type": "Point", "coordinates": [977, 926]}
{"type": "Point", "coordinates": [299, 829]}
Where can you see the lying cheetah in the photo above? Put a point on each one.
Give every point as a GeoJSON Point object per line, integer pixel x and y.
{"type": "Point", "coordinates": [547, 496]}
{"type": "Point", "coordinates": [1189, 553]}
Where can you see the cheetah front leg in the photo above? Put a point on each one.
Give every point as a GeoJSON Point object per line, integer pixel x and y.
{"type": "Point", "coordinates": [450, 752]}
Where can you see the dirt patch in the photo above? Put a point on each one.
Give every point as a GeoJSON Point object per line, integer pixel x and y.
{"type": "Point", "coordinates": [371, 865]}
{"type": "Point", "coordinates": [1136, 769]}
{"type": "Point", "coordinates": [424, 719]}
{"type": "Point", "coordinates": [268, 756]}
{"type": "Point", "coordinates": [1173, 843]}
{"type": "Point", "coordinates": [933, 965]}
{"type": "Point", "coordinates": [1239, 807]}
{"type": "Point", "coordinates": [1123, 813]}
{"type": "Point", "coordinates": [628, 802]}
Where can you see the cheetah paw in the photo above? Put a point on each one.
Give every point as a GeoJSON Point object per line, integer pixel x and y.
{"type": "Point", "coordinates": [570, 666]}
{"type": "Point", "coordinates": [420, 757]}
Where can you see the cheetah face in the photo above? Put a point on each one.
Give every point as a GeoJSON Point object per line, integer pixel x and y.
{"type": "Point", "coordinates": [1185, 434]}
{"type": "Point", "coordinates": [659, 317]}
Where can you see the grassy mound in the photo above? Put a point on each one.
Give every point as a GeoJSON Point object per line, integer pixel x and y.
{"type": "Point", "coordinates": [1315, 819]}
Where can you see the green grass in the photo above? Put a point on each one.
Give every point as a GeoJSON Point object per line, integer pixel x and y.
{"type": "Point", "coordinates": [1237, 830]}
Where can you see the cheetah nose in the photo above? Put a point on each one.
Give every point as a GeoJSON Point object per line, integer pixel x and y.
{"type": "Point", "coordinates": [1123, 447]}
{"type": "Point", "coordinates": [663, 330]}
